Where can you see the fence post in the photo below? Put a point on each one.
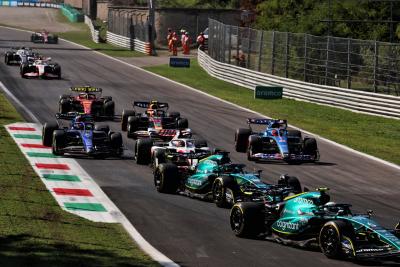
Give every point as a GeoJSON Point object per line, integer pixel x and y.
{"type": "Point", "coordinates": [348, 63]}
{"type": "Point", "coordinates": [273, 53]}
{"type": "Point", "coordinates": [287, 56]}
{"type": "Point", "coordinates": [237, 46]}
{"type": "Point", "coordinates": [327, 60]}
{"type": "Point", "coordinates": [223, 42]}
{"type": "Point", "coordinates": [375, 64]}
{"type": "Point", "coordinates": [248, 49]}
{"type": "Point", "coordinates": [305, 57]}
{"type": "Point", "coordinates": [260, 51]}
{"type": "Point", "coordinates": [230, 44]}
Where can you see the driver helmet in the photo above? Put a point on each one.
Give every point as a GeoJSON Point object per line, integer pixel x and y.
{"type": "Point", "coordinates": [274, 132]}
{"type": "Point", "coordinates": [330, 207]}
{"type": "Point", "coordinates": [180, 143]}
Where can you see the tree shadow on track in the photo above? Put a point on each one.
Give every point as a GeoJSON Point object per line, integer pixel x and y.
{"type": "Point", "coordinates": [25, 250]}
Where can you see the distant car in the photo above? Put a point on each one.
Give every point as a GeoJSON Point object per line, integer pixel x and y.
{"type": "Point", "coordinates": [44, 37]}
{"type": "Point", "coordinates": [19, 55]}
{"type": "Point", "coordinates": [87, 100]}
{"type": "Point", "coordinates": [82, 136]}
{"type": "Point", "coordinates": [275, 142]}
{"type": "Point", "coordinates": [311, 219]}
{"type": "Point", "coordinates": [40, 68]}
{"type": "Point", "coordinates": [217, 179]}
{"type": "Point", "coordinates": [155, 122]}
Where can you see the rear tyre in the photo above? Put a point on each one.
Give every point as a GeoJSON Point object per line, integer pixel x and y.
{"type": "Point", "coordinates": [174, 114]}
{"type": "Point", "coordinates": [109, 109]}
{"type": "Point", "coordinates": [311, 148]}
{"type": "Point", "coordinates": [58, 142]}
{"type": "Point", "coordinates": [247, 219]}
{"type": "Point", "coordinates": [116, 143]}
{"type": "Point", "coordinates": [294, 183]}
{"type": "Point", "coordinates": [242, 139]}
{"type": "Point", "coordinates": [166, 179]}
{"type": "Point", "coordinates": [182, 123]}
{"type": "Point", "coordinates": [294, 133]}
{"type": "Point", "coordinates": [255, 146]}
{"type": "Point", "coordinates": [133, 126]}
{"type": "Point", "coordinates": [143, 151]}
{"type": "Point", "coordinates": [331, 236]}
{"type": "Point", "coordinates": [102, 127]}
{"type": "Point", "coordinates": [47, 133]}
{"type": "Point", "coordinates": [64, 106]}
{"type": "Point", "coordinates": [199, 143]}
{"type": "Point", "coordinates": [126, 113]}
{"type": "Point", "coordinates": [7, 59]}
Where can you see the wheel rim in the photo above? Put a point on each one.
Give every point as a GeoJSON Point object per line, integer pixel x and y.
{"type": "Point", "coordinates": [329, 240]}
{"type": "Point", "coordinates": [236, 220]}
{"type": "Point", "coordinates": [218, 192]}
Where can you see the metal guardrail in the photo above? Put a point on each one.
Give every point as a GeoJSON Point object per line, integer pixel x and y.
{"type": "Point", "coordinates": [371, 103]}
{"type": "Point", "coordinates": [132, 44]}
{"type": "Point", "coordinates": [93, 31]}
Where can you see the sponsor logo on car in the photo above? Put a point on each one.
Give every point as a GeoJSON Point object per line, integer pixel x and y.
{"type": "Point", "coordinates": [288, 225]}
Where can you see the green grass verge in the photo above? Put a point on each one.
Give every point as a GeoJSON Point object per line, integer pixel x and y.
{"type": "Point", "coordinates": [373, 135]}
{"type": "Point", "coordinates": [82, 36]}
{"type": "Point", "coordinates": [35, 231]}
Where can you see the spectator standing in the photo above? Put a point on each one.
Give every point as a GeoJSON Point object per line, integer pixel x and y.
{"type": "Point", "coordinates": [201, 40]}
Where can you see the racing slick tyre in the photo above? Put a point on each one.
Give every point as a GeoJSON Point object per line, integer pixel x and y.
{"type": "Point", "coordinates": [143, 151]}
{"type": "Point", "coordinates": [331, 236]}
{"type": "Point", "coordinates": [166, 178]}
{"type": "Point", "coordinates": [47, 133]}
{"type": "Point", "coordinates": [58, 142]}
{"type": "Point", "coordinates": [310, 147]}
{"type": "Point", "coordinates": [58, 71]}
{"type": "Point", "coordinates": [64, 106]}
{"type": "Point", "coordinates": [102, 128]}
{"type": "Point", "coordinates": [242, 139]}
{"type": "Point", "coordinates": [124, 119]}
{"type": "Point", "coordinates": [109, 109]}
{"type": "Point", "coordinates": [199, 143]}
{"type": "Point", "coordinates": [7, 58]}
{"type": "Point", "coordinates": [255, 146]}
{"type": "Point", "coordinates": [116, 143]}
{"type": "Point", "coordinates": [133, 126]}
{"type": "Point", "coordinates": [55, 39]}
{"type": "Point", "coordinates": [294, 133]}
{"type": "Point", "coordinates": [182, 123]}
{"type": "Point", "coordinates": [247, 219]}
{"type": "Point", "coordinates": [223, 191]}
{"type": "Point", "coordinates": [174, 114]}
{"type": "Point", "coordinates": [23, 70]}
{"type": "Point", "coordinates": [158, 157]}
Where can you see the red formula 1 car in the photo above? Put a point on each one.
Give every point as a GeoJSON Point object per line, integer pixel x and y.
{"type": "Point", "coordinates": [87, 100]}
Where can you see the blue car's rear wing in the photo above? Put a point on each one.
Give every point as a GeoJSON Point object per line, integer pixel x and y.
{"type": "Point", "coordinates": [264, 121]}
{"type": "Point", "coordinates": [72, 115]}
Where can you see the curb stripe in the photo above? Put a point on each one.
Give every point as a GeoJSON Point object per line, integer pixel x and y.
{"type": "Point", "coordinates": [16, 128]}
{"type": "Point", "coordinates": [41, 155]}
{"type": "Point", "coordinates": [52, 166]}
{"type": "Point", "coordinates": [28, 136]}
{"type": "Point", "coordinates": [35, 146]}
{"type": "Point", "coordinates": [61, 177]}
{"type": "Point", "coordinates": [85, 206]}
{"type": "Point", "coordinates": [73, 192]}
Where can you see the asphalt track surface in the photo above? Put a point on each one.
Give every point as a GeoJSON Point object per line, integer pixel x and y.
{"type": "Point", "coordinates": [189, 231]}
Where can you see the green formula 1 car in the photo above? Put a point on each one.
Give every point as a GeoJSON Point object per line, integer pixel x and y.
{"type": "Point", "coordinates": [310, 219]}
{"type": "Point", "coordinates": [215, 178]}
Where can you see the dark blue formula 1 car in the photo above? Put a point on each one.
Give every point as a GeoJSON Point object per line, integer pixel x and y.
{"type": "Point", "coordinates": [82, 136]}
{"type": "Point", "coordinates": [310, 219]}
{"type": "Point", "coordinates": [275, 142]}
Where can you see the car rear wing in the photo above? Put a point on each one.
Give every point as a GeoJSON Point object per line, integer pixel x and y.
{"type": "Point", "coordinates": [190, 155]}
{"type": "Point", "coordinates": [264, 121]}
{"type": "Point", "coordinates": [72, 115]}
{"type": "Point", "coordinates": [86, 89]}
{"type": "Point", "coordinates": [146, 104]}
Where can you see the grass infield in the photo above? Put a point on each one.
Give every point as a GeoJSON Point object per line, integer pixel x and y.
{"type": "Point", "coordinates": [35, 231]}
{"type": "Point", "coordinates": [376, 136]}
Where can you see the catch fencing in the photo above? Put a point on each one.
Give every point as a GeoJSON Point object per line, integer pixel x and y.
{"type": "Point", "coordinates": [355, 100]}
{"type": "Point", "coordinates": [94, 32]}
{"type": "Point", "coordinates": [348, 63]}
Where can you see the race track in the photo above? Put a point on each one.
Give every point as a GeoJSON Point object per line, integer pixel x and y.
{"type": "Point", "coordinates": [189, 231]}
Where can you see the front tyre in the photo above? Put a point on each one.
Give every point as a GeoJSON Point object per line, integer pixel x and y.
{"type": "Point", "coordinates": [242, 139]}
{"type": "Point", "coordinates": [331, 236]}
{"type": "Point", "coordinates": [247, 219]}
{"type": "Point", "coordinates": [166, 179]}
{"type": "Point", "coordinates": [143, 151]}
{"type": "Point", "coordinates": [126, 113]}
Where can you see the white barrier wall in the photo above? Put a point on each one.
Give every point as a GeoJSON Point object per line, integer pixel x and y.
{"type": "Point", "coordinates": [93, 31]}
{"type": "Point", "coordinates": [372, 103]}
{"type": "Point", "coordinates": [126, 42]}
